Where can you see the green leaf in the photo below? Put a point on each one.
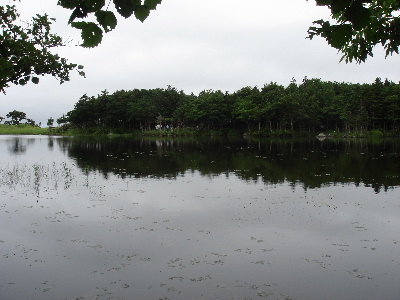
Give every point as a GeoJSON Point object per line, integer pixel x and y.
{"type": "Point", "coordinates": [152, 4]}
{"type": "Point", "coordinates": [35, 80]}
{"type": "Point", "coordinates": [106, 19]}
{"type": "Point", "coordinates": [359, 16]}
{"type": "Point", "coordinates": [70, 4]}
{"type": "Point", "coordinates": [91, 5]}
{"type": "Point", "coordinates": [78, 12]}
{"type": "Point", "coordinates": [323, 2]}
{"type": "Point", "coordinates": [340, 5]}
{"type": "Point", "coordinates": [79, 25]}
{"type": "Point", "coordinates": [90, 32]}
{"type": "Point", "coordinates": [340, 35]}
{"type": "Point", "coordinates": [126, 7]}
{"type": "Point", "coordinates": [94, 5]}
{"type": "Point", "coordinates": [141, 13]}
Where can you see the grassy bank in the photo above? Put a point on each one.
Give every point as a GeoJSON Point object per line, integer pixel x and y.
{"type": "Point", "coordinates": [23, 129]}
{"type": "Point", "coordinates": [94, 131]}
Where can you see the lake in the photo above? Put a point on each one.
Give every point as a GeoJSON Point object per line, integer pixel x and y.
{"type": "Point", "coordinates": [186, 218]}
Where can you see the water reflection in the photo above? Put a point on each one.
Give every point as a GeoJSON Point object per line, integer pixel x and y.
{"type": "Point", "coordinates": [50, 143]}
{"type": "Point", "coordinates": [17, 145]}
{"type": "Point", "coordinates": [310, 163]}
{"type": "Point", "coordinates": [91, 218]}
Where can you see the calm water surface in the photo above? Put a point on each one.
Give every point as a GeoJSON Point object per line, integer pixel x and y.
{"type": "Point", "coordinates": [112, 218]}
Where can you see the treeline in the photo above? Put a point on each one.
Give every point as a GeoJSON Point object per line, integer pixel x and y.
{"type": "Point", "coordinates": [311, 106]}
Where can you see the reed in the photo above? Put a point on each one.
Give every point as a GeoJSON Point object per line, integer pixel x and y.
{"type": "Point", "coordinates": [37, 177]}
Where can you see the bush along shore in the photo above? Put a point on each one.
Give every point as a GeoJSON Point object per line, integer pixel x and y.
{"type": "Point", "coordinates": [67, 130]}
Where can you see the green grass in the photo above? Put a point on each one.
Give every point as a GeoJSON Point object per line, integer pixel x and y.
{"type": "Point", "coordinates": [23, 129]}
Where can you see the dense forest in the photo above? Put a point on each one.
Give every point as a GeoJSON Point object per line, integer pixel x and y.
{"type": "Point", "coordinates": [312, 106]}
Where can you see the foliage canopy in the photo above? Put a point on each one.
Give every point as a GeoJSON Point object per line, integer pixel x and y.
{"type": "Point", "coordinates": [105, 20]}
{"type": "Point", "coordinates": [360, 25]}
{"type": "Point", "coordinates": [16, 117]}
{"type": "Point", "coordinates": [357, 26]}
{"type": "Point", "coordinates": [312, 106]}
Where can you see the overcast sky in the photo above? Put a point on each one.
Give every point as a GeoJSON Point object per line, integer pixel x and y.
{"type": "Point", "coordinates": [193, 45]}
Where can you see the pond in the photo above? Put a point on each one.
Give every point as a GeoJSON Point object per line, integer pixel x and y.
{"type": "Point", "coordinates": [159, 218]}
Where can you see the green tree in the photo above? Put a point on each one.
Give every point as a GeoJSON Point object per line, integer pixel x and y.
{"type": "Point", "coordinates": [392, 104]}
{"type": "Point", "coordinates": [25, 52]}
{"type": "Point", "coordinates": [62, 120]}
{"type": "Point", "coordinates": [30, 122]}
{"type": "Point", "coordinates": [184, 114]}
{"type": "Point", "coordinates": [272, 95]}
{"type": "Point", "coordinates": [116, 114]}
{"type": "Point", "coordinates": [148, 106]}
{"type": "Point", "coordinates": [353, 110]}
{"type": "Point", "coordinates": [83, 113]}
{"type": "Point", "coordinates": [312, 105]}
{"type": "Point", "coordinates": [374, 95]}
{"type": "Point", "coordinates": [247, 106]}
{"type": "Point", "coordinates": [141, 109]}
{"type": "Point", "coordinates": [50, 122]}
{"type": "Point", "coordinates": [290, 106]}
{"type": "Point", "coordinates": [393, 114]}
{"type": "Point", "coordinates": [212, 109]}
{"type": "Point", "coordinates": [316, 97]}
{"type": "Point", "coordinates": [360, 25]}
{"type": "Point", "coordinates": [16, 117]}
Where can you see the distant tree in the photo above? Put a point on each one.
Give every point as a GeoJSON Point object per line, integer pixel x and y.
{"type": "Point", "coordinates": [1, 119]}
{"type": "Point", "coordinates": [272, 96]}
{"type": "Point", "coordinates": [316, 97]}
{"type": "Point", "coordinates": [30, 122]}
{"type": "Point", "coordinates": [312, 106]}
{"type": "Point", "coordinates": [16, 117]}
{"type": "Point", "coordinates": [247, 107]}
{"type": "Point", "coordinates": [25, 52]}
{"type": "Point", "coordinates": [290, 107]}
{"type": "Point", "coordinates": [116, 109]}
{"type": "Point", "coordinates": [62, 120]}
{"type": "Point", "coordinates": [183, 114]}
{"type": "Point", "coordinates": [211, 109]}
{"type": "Point", "coordinates": [83, 113]}
{"type": "Point", "coordinates": [142, 108]}
{"type": "Point", "coordinates": [50, 122]}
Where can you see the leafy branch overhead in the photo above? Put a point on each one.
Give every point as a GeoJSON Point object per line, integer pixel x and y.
{"type": "Point", "coordinates": [25, 51]}
{"type": "Point", "coordinates": [105, 20]}
{"type": "Point", "coordinates": [360, 25]}
{"type": "Point", "coordinates": [357, 26]}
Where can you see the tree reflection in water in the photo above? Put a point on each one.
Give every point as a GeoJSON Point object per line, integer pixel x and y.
{"type": "Point", "coordinates": [311, 163]}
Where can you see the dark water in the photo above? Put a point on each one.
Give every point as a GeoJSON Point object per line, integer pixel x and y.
{"type": "Point", "coordinates": [113, 218]}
